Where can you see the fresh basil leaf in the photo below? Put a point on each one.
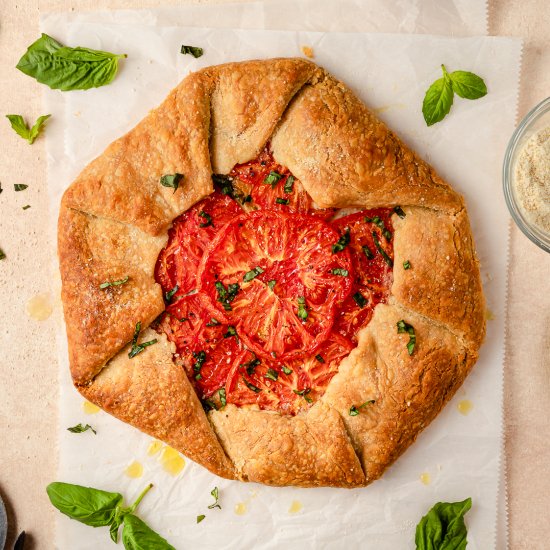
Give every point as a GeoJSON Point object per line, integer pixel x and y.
{"type": "Point", "coordinates": [443, 527]}
{"type": "Point", "coordinates": [249, 275]}
{"type": "Point", "coordinates": [399, 211]}
{"type": "Point", "coordinates": [171, 180]}
{"type": "Point", "coordinates": [250, 386]}
{"type": "Point", "coordinates": [192, 50]}
{"type": "Point", "coordinates": [26, 207]}
{"type": "Point", "coordinates": [137, 535]}
{"type": "Point", "coordinates": [286, 370]}
{"type": "Point", "coordinates": [216, 495]}
{"type": "Point", "coordinates": [342, 242]}
{"type": "Point", "coordinates": [251, 366]}
{"type": "Point", "coordinates": [360, 300]}
{"type": "Point", "coordinates": [170, 294]}
{"type": "Point", "coordinates": [79, 428]}
{"type": "Point", "coordinates": [207, 217]}
{"type": "Point", "coordinates": [289, 184]}
{"type": "Point", "coordinates": [279, 200]}
{"type": "Point", "coordinates": [273, 178]}
{"type": "Point", "coordinates": [107, 284]}
{"type": "Point", "coordinates": [85, 504]}
{"type": "Point", "coordinates": [115, 525]}
{"type": "Point", "coordinates": [340, 272]}
{"type": "Point", "coordinates": [387, 259]}
{"type": "Point", "coordinates": [468, 85]}
{"type": "Point", "coordinates": [226, 295]}
{"type": "Point", "coordinates": [403, 327]}
{"type": "Point", "coordinates": [438, 100]}
{"type": "Point", "coordinates": [406, 264]}
{"type": "Point", "coordinates": [64, 68]}
{"type": "Point", "coordinates": [200, 518]}
{"type": "Point", "coordinates": [271, 374]}
{"type": "Point", "coordinates": [302, 310]}
{"type": "Point", "coordinates": [21, 128]}
{"type": "Point", "coordinates": [20, 186]}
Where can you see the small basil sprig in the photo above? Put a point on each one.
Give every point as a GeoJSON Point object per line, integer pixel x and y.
{"type": "Point", "coordinates": [138, 348]}
{"type": "Point", "coordinates": [443, 527]}
{"type": "Point", "coordinates": [195, 51]}
{"type": "Point", "coordinates": [79, 428]}
{"type": "Point", "coordinates": [21, 128]}
{"type": "Point", "coordinates": [64, 68]}
{"type": "Point", "coordinates": [439, 96]}
{"type": "Point", "coordinates": [171, 180]}
{"type": "Point", "coordinates": [2, 254]}
{"type": "Point", "coordinates": [99, 508]}
{"type": "Point", "coordinates": [403, 327]}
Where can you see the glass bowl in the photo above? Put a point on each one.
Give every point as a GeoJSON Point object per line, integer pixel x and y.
{"type": "Point", "coordinates": [536, 120]}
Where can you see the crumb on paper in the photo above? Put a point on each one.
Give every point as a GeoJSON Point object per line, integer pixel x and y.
{"type": "Point", "coordinates": [308, 51]}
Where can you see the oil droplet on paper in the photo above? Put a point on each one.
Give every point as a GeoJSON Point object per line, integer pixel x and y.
{"type": "Point", "coordinates": [39, 307]}
{"type": "Point", "coordinates": [154, 447]}
{"type": "Point", "coordinates": [134, 470]}
{"type": "Point", "coordinates": [295, 507]}
{"type": "Point", "coordinates": [308, 51]}
{"type": "Point", "coordinates": [172, 461]}
{"type": "Point", "coordinates": [90, 408]}
{"type": "Point", "coordinates": [489, 315]}
{"type": "Point", "coordinates": [425, 478]}
{"type": "Point", "coordinates": [465, 406]}
{"type": "Point", "coordinates": [240, 508]}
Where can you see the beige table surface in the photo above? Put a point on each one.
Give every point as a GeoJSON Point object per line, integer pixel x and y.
{"type": "Point", "coordinates": [28, 369]}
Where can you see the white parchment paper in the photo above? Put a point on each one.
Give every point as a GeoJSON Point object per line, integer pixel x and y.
{"type": "Point", "coordinates": [460, 453]}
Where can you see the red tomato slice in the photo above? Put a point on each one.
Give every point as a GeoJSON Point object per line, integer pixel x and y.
{"type": "Point", "coordinates": [296, 315]}
{"type": "Point", "coordinates": [279, 191]}
{"type": "Point", "coordinates": [373, 259]}
{"type": "Point", "coordinates": [190, 234]}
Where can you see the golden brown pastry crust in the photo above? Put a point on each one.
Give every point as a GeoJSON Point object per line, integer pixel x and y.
{"type": "Point", "coordinates": [113, 223]}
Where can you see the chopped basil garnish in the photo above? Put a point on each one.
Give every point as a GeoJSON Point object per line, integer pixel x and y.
{"type": "Point", "coordinates": [354, 411]}
{"type": "Point", "coordinates": [195, 51]}
{"type": "Point", "coordinates": [26, 207]}
{"type": "Point", "coordinates": [2, 254]}
{"type": "Point", "coordinates": [79, 428]}
{"type": "Point", "coordinates": [342, 242]}
{"type": "Point", "coordinates": [200, 518]}
{"type": "Point", "coordinates": [368, 252]}
{"type": "Point", "coordinates": [289, 184]}
{"type": "Point", "coordinates": [302, 311]}
{"type": "Point", "coordinates": [279, 200]}
{"type": "Point", "coordinates": [248, 198]}
{"type": "Point", "coordinates": [138, 348]}
{"type": "Point", "coordinates": [271, 284]}
{"type": "Point", "coordinates": [272, 375]}
{"type": "Point", "coordinates": [216, 496]}
{"type": "Point", "coordinates": [249, 275]}
{"type": "Point", "coordinates": [273, 178]}
{"type": "Point", "coordinates": [387, 259]}
{"type": "Point", "coordinates": [251, 366]}
{"type": "Point", "coordinates": [402, 327]}
{"type": "Point", "coordinates": [319, 358]}
{"type": "Point", "coordinates": [207, 404]}
{"type": "Point", "coordinates": [213, 322]}
{"type": "Point", "coordinates": [340, 272]}
{"type": "Point", "coordinates": [207, 217]}
{"type": "Point", "coordinates": [225, 183]}
{"type": "Point", "coordinates": [223, 398]}
{"type": "Point", "coordinates": [107, 284]}
{"type": "Point", "coordinates": [171, 180]}
{"type": "Point", "coordinates": [231, 331]}
{"type": "Point", "coordinates": [380, 223]}
{"type": "Point", "coordinates": [304, 394]}
{"type": "Point", "coordinates": [200, 357]}
{"type": "Point", "coordinates": [250, 386]}
{"type": "Point", "coordinates": [406, 264]}
{"type": "Point", "coordinates": [286, 370]}
{"type": "Point", "coordinates": [399, 211]}
{"type": "Point", "coordinates": [181, 320]}
{"type": "Point", "coordinates": [170, 294]}
{"type": "Point", "coordinates": [226, 295]}
{"type": "Point", "coordinates": [360, 300]}
{"type": "Point", "coordinates": [20, 186]}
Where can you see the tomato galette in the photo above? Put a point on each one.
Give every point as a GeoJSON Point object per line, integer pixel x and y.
{"type": "Point", "coordinates": [265, 277]}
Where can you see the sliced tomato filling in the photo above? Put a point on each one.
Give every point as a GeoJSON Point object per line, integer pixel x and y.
{"type": "Point", "coordinates": [265, 297]}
